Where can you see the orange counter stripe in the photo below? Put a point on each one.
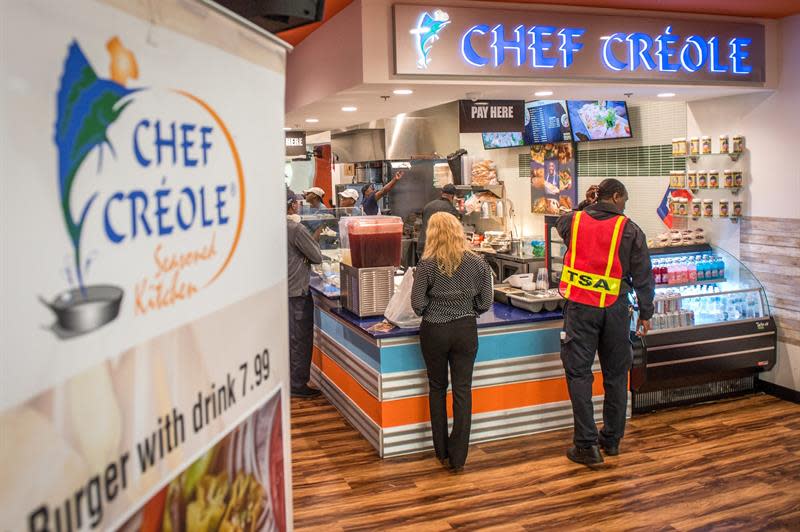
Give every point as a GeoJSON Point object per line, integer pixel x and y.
{"type": "Point", "coordinates": [504, 397]}
{"type": "Point", "coordinates": [351, 388]}
{"type": "Point", "coordinates": [411, 410]}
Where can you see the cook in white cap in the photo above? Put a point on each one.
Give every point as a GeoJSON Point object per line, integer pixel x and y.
{"type": "Point", "coordinates": [313, 197]}
{"type": "Point", "coordinates": [347, 201]}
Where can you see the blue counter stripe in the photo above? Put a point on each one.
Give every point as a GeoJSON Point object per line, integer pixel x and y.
{"type": "Point", "coordinates": [496, 347]}
{"type": "Point", "coordinates": [349, 339]}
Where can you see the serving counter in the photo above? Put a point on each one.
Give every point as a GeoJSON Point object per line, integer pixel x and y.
{"type": "Point", "coordinates": [377, 380]}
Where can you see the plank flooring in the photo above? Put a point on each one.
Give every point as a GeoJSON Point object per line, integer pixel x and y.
{"type": "Point", "coordinates": [732, 465]}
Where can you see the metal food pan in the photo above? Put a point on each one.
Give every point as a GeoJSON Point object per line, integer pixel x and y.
{"type": "Point", "coordinates": [531, 303]}
{"type": "Point", "coordinates": [503, 291]}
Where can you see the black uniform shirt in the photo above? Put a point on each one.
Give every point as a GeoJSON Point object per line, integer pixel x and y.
{"type": "Point", "coordinates": [633, 255]}
{"type": "Point", "coordinates": [437, 205]}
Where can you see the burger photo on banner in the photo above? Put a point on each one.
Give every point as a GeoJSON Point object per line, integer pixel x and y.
{"type": "Point", "coordinates": [554, 182]}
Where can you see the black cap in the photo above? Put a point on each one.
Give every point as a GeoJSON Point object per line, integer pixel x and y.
{"type": "Point", "coordinates": [449, 188]}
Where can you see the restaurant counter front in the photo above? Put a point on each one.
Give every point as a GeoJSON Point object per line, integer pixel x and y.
{"type": "Point", "coordinates": [377, 380]}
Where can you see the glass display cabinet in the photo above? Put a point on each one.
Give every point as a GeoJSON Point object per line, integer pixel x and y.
{"type": "Point", "coordinates": [711, 333]}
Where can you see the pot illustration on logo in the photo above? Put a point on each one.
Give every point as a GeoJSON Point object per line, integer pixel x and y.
{"type": "Point", "coordinates": [150, 182]}
{"type": "Point", "coordinates": [427, 31]}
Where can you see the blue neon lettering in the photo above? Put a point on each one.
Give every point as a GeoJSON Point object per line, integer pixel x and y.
{"type": "Point", "coordinates": [665, 49]}
{"type": "Point", "coordinates": [689, 64]}
{"type": "Point", "coordinates": [110, 232]}
{"type": "Point", "coordinates": [738, 55]}
{"type": "Point", "coordinates": [639, 45]}
{"type": "Point", "coordinates": [538, 46]}
{"type": "Point", "coordinates": [609, 59]}
{"type": "Point", "coordinates": [468, 52]}
{"type": "Point", "coordinates": [568, 45]}
{"type": "Point", "coordinates": [143, 161]}
{"type": "Point", "coordinates": [713, 52]}
{"type": "Point", "coordinates": [499, 44]}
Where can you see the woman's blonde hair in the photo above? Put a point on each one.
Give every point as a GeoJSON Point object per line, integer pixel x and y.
{"type": "Point", "coordinates": [445, 242]}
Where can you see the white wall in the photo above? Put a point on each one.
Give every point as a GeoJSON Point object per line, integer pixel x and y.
{"type": "Point", "coordinates": [771, 125]}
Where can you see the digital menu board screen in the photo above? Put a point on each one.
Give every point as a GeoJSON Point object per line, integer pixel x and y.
{"type": "Point", "coordinates": [502, 140]}
{"type": "Point", "coordinates": [599, 119]}
{"type": "Point", "coordinates": [546, 121]}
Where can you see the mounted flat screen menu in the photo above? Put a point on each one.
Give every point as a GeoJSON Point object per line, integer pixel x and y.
{"type": "Point", "coordinates": [546, 121]}
{"type": "Point", "coordinates": [502, 140]}
{"type": "Point", "coordinates": [599, 120]}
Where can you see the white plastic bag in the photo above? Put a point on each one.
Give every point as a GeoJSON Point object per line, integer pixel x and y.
{"type": "Point", "coordinates": [399, 311]}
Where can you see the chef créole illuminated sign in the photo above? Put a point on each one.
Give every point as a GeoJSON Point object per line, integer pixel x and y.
{"type": "Point", "coordinates": [432, 40]}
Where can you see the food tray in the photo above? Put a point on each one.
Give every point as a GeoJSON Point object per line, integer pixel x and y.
{"type": "Point", "coordinates": [503, 291]}
{"type": "Point", "coordinates": [537, 301]}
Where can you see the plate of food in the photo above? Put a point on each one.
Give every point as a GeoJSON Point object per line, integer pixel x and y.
{"type": "Point", "coordinates": [564, 180]}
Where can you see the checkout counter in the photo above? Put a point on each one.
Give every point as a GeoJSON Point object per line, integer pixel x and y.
{"type": "Point", "coordinates": [377, 380]}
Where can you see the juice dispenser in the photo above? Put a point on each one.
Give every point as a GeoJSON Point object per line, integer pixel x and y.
{"type": "Point", "coordinates": [371, 247]}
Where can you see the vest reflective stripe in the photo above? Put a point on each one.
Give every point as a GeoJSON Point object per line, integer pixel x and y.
{"type": "Point", "coordinates": [589, 281]}
{"type": "Point", "coordinates": [611, 249]}
{"type": "Point", "coordinates": [592, 273]}
{"type": "Point", "coordinates": [573, 242]}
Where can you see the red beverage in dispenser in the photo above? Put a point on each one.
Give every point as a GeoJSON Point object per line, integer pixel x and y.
{"type": "Point", "coordinates": [375, 241]}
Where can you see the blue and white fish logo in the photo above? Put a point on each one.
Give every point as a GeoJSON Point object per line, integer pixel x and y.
{"type": "Point", "coordinates": [427, 32]}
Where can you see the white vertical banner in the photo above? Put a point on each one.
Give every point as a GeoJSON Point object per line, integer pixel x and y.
{"type": "Point", "coordinates": [143, 339]}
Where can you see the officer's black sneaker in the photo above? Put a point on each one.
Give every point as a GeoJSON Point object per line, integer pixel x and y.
{"type": "Point", "coordinates": [306, 392]}
{"type": "Point", "coordinates": [610, 449]}
{"type": "Point", "coordinates": [585, 455]}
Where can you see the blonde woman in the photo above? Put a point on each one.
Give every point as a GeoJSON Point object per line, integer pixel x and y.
{"type": "Point", "coordinates": [452, 286]}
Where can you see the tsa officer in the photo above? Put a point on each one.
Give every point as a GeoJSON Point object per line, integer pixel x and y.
{"type": "Point", "coordinates": [606, 259]}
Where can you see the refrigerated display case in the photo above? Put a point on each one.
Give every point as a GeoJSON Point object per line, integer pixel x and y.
{"type": "Point", "coordinates": [712, 332]}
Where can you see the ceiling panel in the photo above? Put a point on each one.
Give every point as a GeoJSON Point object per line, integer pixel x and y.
{"type": "Point", "coordinates": [738, 8]}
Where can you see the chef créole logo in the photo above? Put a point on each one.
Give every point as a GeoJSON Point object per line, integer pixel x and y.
{"type": "Point", "coordinates": [427, 32]}
{"type": "Point", "coordinates": [151, 193]}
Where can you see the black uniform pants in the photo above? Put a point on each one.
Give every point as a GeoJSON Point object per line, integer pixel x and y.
{"type": "Point", "coordinates": [301, 339]}
{"type": "Point", "coordinates": [607, 331]}
{"type": "Point", "coordinates": [454, 343]}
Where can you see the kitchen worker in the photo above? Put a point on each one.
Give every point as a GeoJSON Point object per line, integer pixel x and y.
{"type": "Point", "coordinates": [347, 200]}
{"type": "Point", "coordinates": [313, 197]}
{"type": "Point", "coordinates": [606, 257]}
{"type": "Point", "coordinates": [443, 204]}
{"type": "Point", "coordinates": [371, 198]}
{"type": "Point", "coordinates": [303, 251]}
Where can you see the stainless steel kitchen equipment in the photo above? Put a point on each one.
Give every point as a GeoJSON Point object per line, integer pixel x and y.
{"type": "Point", "coordinates": [366, 291]}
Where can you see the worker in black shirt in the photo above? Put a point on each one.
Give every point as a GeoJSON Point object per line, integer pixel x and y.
{"type": "Point", "coordinates": [606, 257]}
{"type": "Point", "coordinates": [443, 204]}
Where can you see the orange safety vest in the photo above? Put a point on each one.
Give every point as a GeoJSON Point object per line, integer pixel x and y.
{"type": "Point", "coordinates": [592, 272]}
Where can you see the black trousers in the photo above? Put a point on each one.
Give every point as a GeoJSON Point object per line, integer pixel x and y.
{"type": "Point", "coordinates": [607, 331]}
{"type": "Point", "coordinates": [453, 344]}
{"type": "Point", "coordinates": [301, 339]}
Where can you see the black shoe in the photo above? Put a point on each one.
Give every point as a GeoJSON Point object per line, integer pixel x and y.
{"type": "Point", "coordinates": [306, 392]}
{"type": "Point", "coordinates": [608, 448]}
{"type": "Point", "coordinates": [585, 455]}
{"type": "Point", "coordinates": [444, 461]}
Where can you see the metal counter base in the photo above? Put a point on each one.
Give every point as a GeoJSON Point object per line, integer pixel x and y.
{"type": "Point", "coordinates": [379, 385]}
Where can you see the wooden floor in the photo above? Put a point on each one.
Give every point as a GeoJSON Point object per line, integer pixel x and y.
{"type": "Point", "coordinates": [733, 465]}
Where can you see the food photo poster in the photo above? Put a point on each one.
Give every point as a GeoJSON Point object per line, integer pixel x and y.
{"type": "Point", "coordinates": [554, 183]}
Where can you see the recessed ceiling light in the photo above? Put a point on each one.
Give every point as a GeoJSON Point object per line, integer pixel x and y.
{"type": "Point", "coordinates": [349, 109]}
{"type": "Point", "coordinates": [543, 93]}
{"type": "Point", "coordinates": [312, 120]}
{"type": "Point", "coordinates": [665, 94]}
{"type": "Point", "coordinates": [403, 92]}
